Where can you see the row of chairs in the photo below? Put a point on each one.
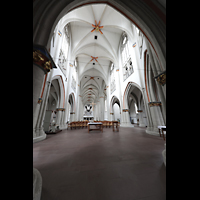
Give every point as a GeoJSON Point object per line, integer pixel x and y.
{"type": "Point", "coordinates": [83, 124]}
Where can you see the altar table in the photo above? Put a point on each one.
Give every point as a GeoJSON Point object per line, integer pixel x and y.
{"type": "Point", "coordinates": [99, 124]}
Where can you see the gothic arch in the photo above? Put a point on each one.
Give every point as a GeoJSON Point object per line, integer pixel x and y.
{"type": "Point", "coordinates": [72, 102]}
{"type": "Point", "coordinates": [127, 92]}
{"type": "Point", "coordinates": [114, 100]}
{"type": "Point", "coordinates": [62, 90]}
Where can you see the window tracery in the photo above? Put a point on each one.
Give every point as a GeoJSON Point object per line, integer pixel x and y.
{"type": "Point", "coordinates": [112, 79]}
{"type": "Point", "coordinates": [126, 58]}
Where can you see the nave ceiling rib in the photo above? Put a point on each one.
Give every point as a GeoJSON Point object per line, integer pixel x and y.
{"type": "Point", "coordinates": [95, 55]}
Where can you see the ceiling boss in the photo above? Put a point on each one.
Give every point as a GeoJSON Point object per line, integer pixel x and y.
{"type": "Point", "coordinates": [97, 27]}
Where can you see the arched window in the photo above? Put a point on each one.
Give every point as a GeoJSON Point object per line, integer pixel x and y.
{"type": "Point", "coordinates": [126, 58]}
{"type": "Point", "coordinates": [112, 79]}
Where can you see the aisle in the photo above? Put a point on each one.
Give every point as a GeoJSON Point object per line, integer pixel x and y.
{"type": "Point", "coordinates": [124, 165]}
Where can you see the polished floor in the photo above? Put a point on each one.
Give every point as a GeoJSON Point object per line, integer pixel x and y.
{"type": "Point", "coordinates": [124, 165]}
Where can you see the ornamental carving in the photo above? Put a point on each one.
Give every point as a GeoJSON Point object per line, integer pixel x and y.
{"type": "Point", "coordinates": [154, 104]}
{"type": "Point", "coordinates": [39, 100]}
{"type": "Point", "coordinates": [41, 60]}
{"type": "Point", "coordinates": [60, 109]}
{"type": "Point", "coordinates": [161, 78]}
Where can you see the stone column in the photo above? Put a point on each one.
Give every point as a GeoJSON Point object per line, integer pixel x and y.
{"type": "Point", "coordinates": [164, 155]}
{"type": "Point", "coordinates": [157, 118]}
{"type": "Point", "coordinates": [59, 116]}
{"type": "Point", "coordinates": [125, 118]}
{"type": "Point", "coordinates": [38, 76]}
{"type": "Point", "coordinates": [111, 116]}
{"type": "Point", "coordinates": [37, 184]}
{"type": "Point", "coordinates": [141, 122]}
{"type": "Point", "coordinates": [72, 116]}
{"type": "Point", "coordinates": [101, 101]}
{"type": "Point", "coordinates": [63, 124]}
{"type": "Point", "coordinates": [42, 64]}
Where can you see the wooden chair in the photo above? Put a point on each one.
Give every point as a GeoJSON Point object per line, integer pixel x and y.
{"type": "Point", "coordinates": [69, 125]}
{"type": "Point", "coordinates": [104, 123]}
{"type": "Point", "coordinates": [77, 124]}
{"type": "Point", "coordinates": [110, 124]}
{"type": "Point", "coordinates": [73, 125]}
{"type": "Point", "coordinates": [107, 124]}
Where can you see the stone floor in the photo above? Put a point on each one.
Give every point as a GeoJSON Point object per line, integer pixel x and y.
{"type": "Point", "coordinates": [124, 165]}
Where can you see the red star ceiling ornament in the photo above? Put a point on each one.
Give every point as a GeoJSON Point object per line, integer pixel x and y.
{"type": "Point", "coordinates": [94, 58]}
{"type": "Point", "coordinates": [97, 27]}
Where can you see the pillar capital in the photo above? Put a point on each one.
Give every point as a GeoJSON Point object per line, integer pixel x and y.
{"type": "Point", "coordinates": [112, 113]}
{"type": "Point", "coordinates": [125, 110]}
{"type": "Point", "coordinates": [60, 109]}
{"type": "Point", "coordinates": [139, 110]}
{"type": "Point", "coordinates": [155, 103]}
{"type": "Point", "coordinates": [72, 113]}
{"type": "Point", "coordinates": [42, 58]}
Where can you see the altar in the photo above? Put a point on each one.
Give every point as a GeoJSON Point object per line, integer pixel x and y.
{"type": "Point", "coordinates": [88, 113]}
{"type": "Point", "coordinates": [88, 117]}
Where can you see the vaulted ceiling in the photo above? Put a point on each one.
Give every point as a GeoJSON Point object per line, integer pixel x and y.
{"type": "Point", "coordinates": [96, 30]}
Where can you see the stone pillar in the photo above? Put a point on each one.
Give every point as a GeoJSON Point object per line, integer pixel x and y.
{"type": "Point", "coordinates": [72, 116]}
{"type": "Point", "coordinates": [141, 122]}
{"type": "Point", "coordinates": [42, 64]}
{"type": "Point", "coordinates": [164, 155]}
{"type": "Point", "coordinates": [38, 76]}
{"type": "Point", "coordinates": [125, 118]}
{"type": "Point", "coordinates": [157, 119]}
{"type": "Point", "coordinates": [59, 116]}
{"type": "Point", "coordinates": [111, 116]}
{"type": "Point", "coordinates": [63, 124]}
{"type": "Point", "coordinates": [37, 184]}
{"type": "Point", "coordinates": [101, 101]}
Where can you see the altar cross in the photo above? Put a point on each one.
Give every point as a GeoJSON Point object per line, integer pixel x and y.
{"type": "Point", "coordinates": [93, 106]}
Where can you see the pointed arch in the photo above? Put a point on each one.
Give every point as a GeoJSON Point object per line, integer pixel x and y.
{"type": "Point", "coordinates": [114, 100]}
{"type": "Point", "coordinates": [62, 89]}
{"type": "Point", "coordinates": [72, 97]}
{"type": "Point", "coordinates": [126, 92]}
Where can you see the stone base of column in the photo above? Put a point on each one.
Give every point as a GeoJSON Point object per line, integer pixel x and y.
{"type": "Point", "coordinates": [164, 155]}
{"type": "Point", "coordinates": [142, 125]}
{"type": "Point", "coordinates": [37, 184]}
{"type": "Point", "coordinates": [40, 138]}
{"type": "Point", "coordinates": [152, 131]}
{"type": "Point", "coordinates": [62, 127]}
{"type": "Point", "coordinates": [126, 124]}
{"type": "Point", "coordinates": [39, 135]}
